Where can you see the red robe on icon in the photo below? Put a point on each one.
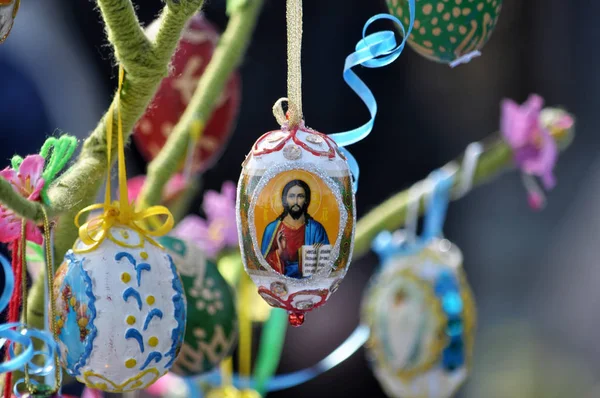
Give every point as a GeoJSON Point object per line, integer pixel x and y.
{"type": "Point", "coordinates": [289, 257]}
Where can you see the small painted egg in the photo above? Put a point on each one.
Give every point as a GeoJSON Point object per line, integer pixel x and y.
{"type": "Point", "coordinates": [421, 315]}
{"type": "Point", "coordinates": [445, 30]}
{"type": "Point", "coordinates": [212, 319]}
{"type": "Point", "coordinates": [120, 312]}
{"type": "Point", "coordinates": [194, 52]}
{"type": "Point", "coordinates": [296, 217]}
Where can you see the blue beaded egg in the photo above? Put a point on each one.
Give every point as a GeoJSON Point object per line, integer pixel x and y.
{"type": "Point", "coordinates": [421, 316]}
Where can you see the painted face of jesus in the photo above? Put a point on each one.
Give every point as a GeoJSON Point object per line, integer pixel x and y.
{"type": "Point", "coordinates": [296, 202]}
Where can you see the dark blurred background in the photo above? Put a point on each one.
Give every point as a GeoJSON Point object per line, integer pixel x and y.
{"type": "Point", "coordinates": [534, 274]}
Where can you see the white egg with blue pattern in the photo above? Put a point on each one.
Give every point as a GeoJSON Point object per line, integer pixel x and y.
{"type": "Point", "coordinates": [120, 312]}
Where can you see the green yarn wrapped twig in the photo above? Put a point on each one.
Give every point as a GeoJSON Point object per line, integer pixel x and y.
{"type": "Point", "coordinates": [145, 64]}
{"type": "Point", "coordinates": [226, 58]}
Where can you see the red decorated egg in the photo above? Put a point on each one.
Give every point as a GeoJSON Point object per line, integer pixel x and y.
{"type": "Point", "coordinates": [189, 62]}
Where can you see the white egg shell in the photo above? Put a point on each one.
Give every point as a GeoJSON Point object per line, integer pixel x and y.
{"type": "Point", "coordinates": [311, 160]}
{"type": "Point", "coordinates": [121, 312]}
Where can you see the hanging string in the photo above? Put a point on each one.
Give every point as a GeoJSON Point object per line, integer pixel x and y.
{"type": "Point", "coordinates": [50, 289]}
{"type": "Point", "coordinates": [294, 53]}
{"type": "Point", "coordinates": [93, 232]}
{"type": "Point", "coordinates": [294, 73]}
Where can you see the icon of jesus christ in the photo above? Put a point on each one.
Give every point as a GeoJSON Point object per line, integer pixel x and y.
{"type": "Point", "coordinates": [283, 238]}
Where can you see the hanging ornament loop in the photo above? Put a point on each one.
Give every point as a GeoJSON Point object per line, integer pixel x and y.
{"type": "Point", "coordinates": [294, 51]}
{"type": "Point", "coordinates": [293, 117]}
{"type": "Point", "coordinates": [437, 187]}
{"type": "Point", "coordinates": [121, 212]}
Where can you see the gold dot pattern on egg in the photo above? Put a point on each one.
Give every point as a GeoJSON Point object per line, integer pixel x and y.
{"type": "Point", "coordinates": [130, 320]}
{"type": "Point", "coordinates": [144, 255]}
{"type": "Point", "coordinates": [150, 300]}
{"type": "Point", "coordinates": [153, 341]}
{"type": "Point", "coordinates": [125, 277]}
{"type": "Point", "coordinates": [130, 363]}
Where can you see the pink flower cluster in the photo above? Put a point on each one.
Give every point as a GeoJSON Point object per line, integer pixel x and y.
{"type": "Point", "coordinates": [219, 230]}
{"type": "Point", "coordinates": [28, 182]}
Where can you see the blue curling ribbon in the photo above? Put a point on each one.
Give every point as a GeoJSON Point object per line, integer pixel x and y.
{"type": "Point", "coordinates": [373, 51]}
{"type": "Point", "coordinates": [438, 204]}
{"type": "Point", "coordinates": [7, 331]}
{"type": "Point", "coordinates": [17, 333]}
{"type": "Point", "coordinates": [281, 382]}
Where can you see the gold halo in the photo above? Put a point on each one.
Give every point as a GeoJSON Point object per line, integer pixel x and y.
{"type": "Point", "coordinates": [287, 176]}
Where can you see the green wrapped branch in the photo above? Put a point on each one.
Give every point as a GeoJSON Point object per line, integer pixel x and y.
{"type": "Point", "coordinates": [226, 58]}
{"type": "Point", "coordinates": [145, 64]}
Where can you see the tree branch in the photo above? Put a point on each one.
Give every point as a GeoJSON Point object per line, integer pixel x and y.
{"type": "Point", "coordinates": [20, 205]}
{"type": "Point", "coordinates": [125, 33]}
{"type": "Point", "coordinates": [226, 58]}
{"type": "Point", "coordinates": [145, 66]}
{"type": "Point", "coordinates": [496, 158]}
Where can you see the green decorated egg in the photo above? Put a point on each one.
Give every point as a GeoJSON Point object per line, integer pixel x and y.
{"type": "Point", "coordinates": [446, 30]}
{"type": "Point", "coordinates": [211, 314]}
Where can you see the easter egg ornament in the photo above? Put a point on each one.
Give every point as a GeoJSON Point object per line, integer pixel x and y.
{"type": "Point", "coordinates": [120, 305]}
{"type": "Point", "coordinates": [420, 310]}
{"type": "Point", "coordinates": [211, 329]}
{"type": "Point", "coordinates": [451, 32]}
{"type": "Point", "coordinates": [296, 193]}
{"type": "Point", "coordinates": [194, 51]}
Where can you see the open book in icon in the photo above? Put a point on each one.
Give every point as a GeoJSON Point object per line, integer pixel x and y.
{"type": "Point", "coordinates": [313, 259]}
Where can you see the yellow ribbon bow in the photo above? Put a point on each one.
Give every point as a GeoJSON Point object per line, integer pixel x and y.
{"type": "Point", "coordinates": [93, 232]}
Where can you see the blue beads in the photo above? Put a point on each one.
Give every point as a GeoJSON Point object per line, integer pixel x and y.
{"type": "Point", "coordinates": [452, 304]}
{"type": "Point", "coordinates": [447, 289]}
{"type": "Point", "coordinates": [455, 327]}
{"type": "Point", "coordinates": [453, 356]}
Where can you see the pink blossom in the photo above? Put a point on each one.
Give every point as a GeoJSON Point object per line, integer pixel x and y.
{"type": "Point", "coordinates": [219, 230]}
{"type": "Point", "coordinates": [28, 182]}
{"type": "Point", "coordinates": [534, 149]}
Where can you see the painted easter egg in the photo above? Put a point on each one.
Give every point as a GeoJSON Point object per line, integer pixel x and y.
{"type": "Point", "coordinates": [421, 315]}
{"type": "Point", "coordinates": [120, 312]}
{"type": "Point", "coordinates": [212, 320]}
{"type": "Point", "coordinates": [296, 216]}
{"type": "Point", "coordinates": [189, 62]}
{"type": "Point", "coordinates": [446, 30]}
